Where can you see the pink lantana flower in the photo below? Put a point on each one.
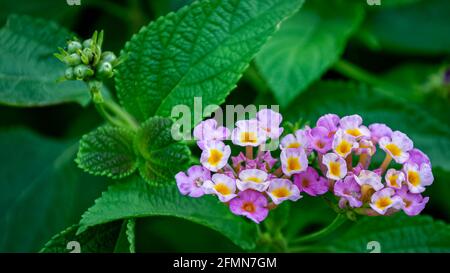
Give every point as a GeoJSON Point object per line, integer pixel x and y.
{"type": "Point", "coordinates": [208, 130]}
{"type": "Point", "coordinates": [336, 166]}
{"type": "Point", "coordinates": [349, 192]}
{"type": "Point", "coordinates": [352, 125]}
{"type": "Point", "coordinates": [251, 204]}
{"type": "Point", "coordinates": [384, 200]}
{"type": "Point", "coordinates": [215, 155]}
{"type": "Point", "coordinates": [283, 189]}
{"type": "Point", "coordinates": [293, 161]}
{"type": "Point", "coordinates": [320, 140]}
{"type": "Point", "coordinates": [329, 122]}
{"type": "Point", "coordinates": [191, 183]}
{"type": "Point", "coordinates": [248, 133]}
{"type": "Point", "coordinates": [269, 122]}
{"type": "Point", "coordinates": [298, 140]}
{"type": "Point", "coordinates": [221, 185]}
{"type": "Point", "coordinates": [343, 144]}
{"type": "Point", "coordinates": [397, 146]}
{"type": "Point", "coordinates": [310, 182]}
{"type": "Point", "coordinates": [252, 179]}
{"type": "Point", "coordinates": [416, 156]}
{"type": "Point", "coordinates": [418, 177]}
{"type": "Point", "coordinates": [379, 130]}
{"type": "Point", "coordinates": [394, 178]}
{"type": "Point", "coordinates": [413, 203]}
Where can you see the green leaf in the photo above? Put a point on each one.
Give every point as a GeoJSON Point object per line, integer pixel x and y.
{"type": "Point", "coordinates": [410, 29]}
{"type": "Point", "coordinates": [29, 71]}
{"type": "Point", "coordinates": [306, 45]}
{"type": "Point", "coordinates": [41, 189]}
{"type": "Point", "coordinates": [126, 241]}
{"type": "Point", "coordinates": [98, 239]}
{"type": "Point", "coordinates": [161, 156]}
{"type": "Point", "coordinates": [375, 106]}
{"type": "Point", "coordinates": [135, 198]}
{"type": "Point", "coordinates": [200, 51]}
{"type": "Point", "coordinates": [398, 233]}
{"type": "Point", "coordinates": [108, 151]}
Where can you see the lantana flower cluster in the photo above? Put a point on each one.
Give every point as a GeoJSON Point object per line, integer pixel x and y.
{"type": "Point", "coordinates": [334, 156]}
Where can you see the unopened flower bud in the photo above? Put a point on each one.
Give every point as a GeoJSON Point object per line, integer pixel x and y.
{"type": "Point", "coordinates": [87, 43]}
{"type": "Point", "coordinates": [81, 71]}
{"type": "Point", "coordinates": [108, 56]}
{"type": "Point", "coordinates": [73, 46]}
{"type": "Point", "coordinates": [87, 55]}
{"type": "Point", "coordinates": [72, 59]}
{"type": "Point", "coordinates": [68, 74]}
{"type": "Point", "coordinates": [105, 70]}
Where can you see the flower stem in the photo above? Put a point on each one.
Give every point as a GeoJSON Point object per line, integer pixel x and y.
{"type": "Point", "coordinates": [337, 222]}
{"type": "Point", "coordinates": [385, 163]}
{"type": "Point", "coordinates": [249, 152]}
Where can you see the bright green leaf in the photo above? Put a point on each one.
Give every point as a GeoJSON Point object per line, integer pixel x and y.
{"type": "Point", "coordinates": [399, 233]}
{"type": "Point", "coordinates": [428, 133]}
{"type": "Point", "coordinates": [29, 71]}
{"type": "Point", "coordinates": [98, 239]}
{"type": "Point", "coordinates": [161, 156]}
{"type": "Point", "coordinates": [108, 151]}
{"type": "Point", "coordinates": [135, 198]}
{"type": "Point", "coordinates": [41, 189]}
{"type": "Point", "coordinates": [200, 51]}
{"type": "Point", "coordinates": [126, 240]}
{"type": "Point", "coordinates": [306, 45]}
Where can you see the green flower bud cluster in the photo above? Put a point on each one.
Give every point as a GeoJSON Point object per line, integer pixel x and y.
{"type": "Point", "coordinates": [86, 61]}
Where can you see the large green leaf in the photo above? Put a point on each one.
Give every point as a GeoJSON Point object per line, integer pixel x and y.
{"type": "Point", "coordinates": [161, 157]}
{"type": "Point", "coordinates": [399, 233]}
{"type": "Point", "coordinates": [419, 28]}
{"type": "Point", "coordinates": [428, 133]}
{"type": "Point", "coordinates": [200, 51]}
{"type": "Point", "coordinates": [108, 151]}
{"type": "Point", "coordinates": [98, 239]}
{"type": "Point", "coordinates": [306, 46]}
{"type": "Point", "coordinates": [135, 198]}
{"type": "Point", "coordinates": [29, 71]}
{"type": "Point", "coordinates": [41, 189]}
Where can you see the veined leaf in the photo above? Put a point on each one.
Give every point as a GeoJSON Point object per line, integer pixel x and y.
{"type": "Point", "coordinates": [29, 71]}
{"type": "Point", "coordinates": [108, 151]}
{"type": "Point", "coordinates": [98, 239]}
{"type": "Point", "coordinates": [200, 51]}
{"type": "Point", "coordinates": [135, 198]}
{"type": "Point", "coordinates": [161, 156]}
{"type": "Point", "coordinates": [41, 189]}
{"type": "Point", "coordinates": [306, 45]}
{"type": "Point", "coordinates": [126, 241]}
{"type": "Point", "coordinates": [428, 133]}
{"type": "Point", "coordinates": [399, 233]}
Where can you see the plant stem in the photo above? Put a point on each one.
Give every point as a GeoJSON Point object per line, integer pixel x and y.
{"type": "Point", "coordinates": [387, 160]}
{"type": "Point", "coordinates": [122, 114]}
{"type": "Point", "coordinates": [249, 152]}
{"type": "Point", "coordinates": [102, 111]}
{"type": "Point", "coordinates": [337, 222]}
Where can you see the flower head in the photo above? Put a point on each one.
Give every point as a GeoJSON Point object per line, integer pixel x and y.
{"type": "Point", "coordinates": [282, 189]}
{"type": "Point", "coordinates": [352, 125]}
{"type": "Point", "coordinates": [251, 204]}
{"type": "Point", "coordinates": [215, 155]}
{"type": "Point", "coordinates": [336, 166]}
{"type": "Point", "coordinates": [208, 130]}
{"type": "Point", "coordinates": [413, 203]}
{"type": "Point", "coordinates": [221, 185]}
{"type": "Point", "coordinates": [394, 178]}
{"type": "Point", "coordinates": [191, 184]}
{"type": "Point", "coordinates": [248, 133]}
{"type": "Point", "coordinates": [329, 122]}
{"type": "Point", "coordinates": [310, 182]}
{"type": "Point", "coordinates": [293, 161]}
{"type": "Point", "coordinates": [343, 144]}
{"type": "Point", "coordinates": [252, 179]}
{"type": "Point", "coordinates": [397, 146]}
{"type": "Point", "coordinates": [385, 199]}
{"type": "Point", "coordinates": [298, 140]}
{"type": "Point", "coordinates": [349, 191]}
{"type": "Point", "coordinates": [418, 177]}
{"type": "Point", "coordinates": [269, 122]}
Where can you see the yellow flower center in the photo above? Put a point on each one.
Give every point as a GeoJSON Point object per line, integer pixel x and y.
{"type": "Point", "coordinates": [215, 156]}
{"type": "Point", "coordinates": [281, 192]}
{"type": "Point", "coordinates": [343, 148]}
{"type": "Point", "coordinates": [335, 168]}
{"type": "Point", "coordinates": [383, 202]}
{"type": "Point", "coordinates": [293, 164]}
{"type": "Point", "coordinates": [254, 179]}
{"type": "Point", "coordinates": [248, 206]}
{"type": "Point", "coordinates": [222, 189]}
{"type": "Point", "coordinates": [394, 149]}
{"type": "Point", "coordinates": [353, 132]}
{"type": "Point", "coordinates": [294, 145]}
{"type": "Point", "coordinates": [248, 137]}
{"type": "Point", "coordinates": [414, 178]}
{"type": "Point", "coordinates": [393, 180]}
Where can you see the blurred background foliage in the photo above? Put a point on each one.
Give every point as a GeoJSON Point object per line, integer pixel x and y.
{"type": "Point", "coordinates": [388, 63]}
